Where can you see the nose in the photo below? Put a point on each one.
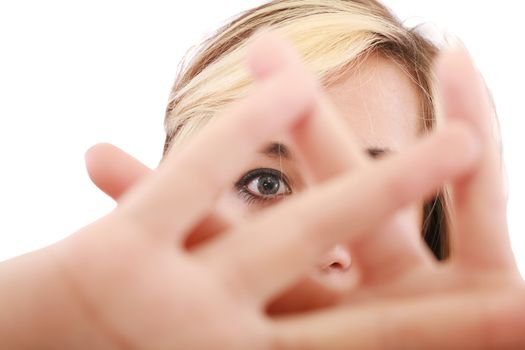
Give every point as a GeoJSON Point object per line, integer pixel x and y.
{"type": "Point", "coordinates": [337, 260]}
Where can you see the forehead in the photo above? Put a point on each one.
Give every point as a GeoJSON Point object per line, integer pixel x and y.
{"type": "Point", "coordinates": [379, 103]}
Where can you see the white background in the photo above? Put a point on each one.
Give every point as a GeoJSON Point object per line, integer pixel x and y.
{"type": "Point", "coordinates": [74, 73]}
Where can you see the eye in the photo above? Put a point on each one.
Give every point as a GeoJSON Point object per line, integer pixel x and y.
{"type": "Point", "coordinates": [262, 185]}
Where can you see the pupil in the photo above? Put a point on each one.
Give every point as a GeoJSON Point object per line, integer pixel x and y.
{"type": "Point", "coordinates": [268, 185]}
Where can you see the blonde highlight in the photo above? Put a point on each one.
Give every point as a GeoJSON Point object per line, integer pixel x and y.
{"type": "Point", "coordinates": [331, 36]}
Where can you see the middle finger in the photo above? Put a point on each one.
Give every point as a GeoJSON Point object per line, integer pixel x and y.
{"type": "Point", "coordinates": [325, 146]}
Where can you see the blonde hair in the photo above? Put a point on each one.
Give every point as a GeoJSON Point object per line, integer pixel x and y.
{"type": "Point", "coordinates": [331, 36]}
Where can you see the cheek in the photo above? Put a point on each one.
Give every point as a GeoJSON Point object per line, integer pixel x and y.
{"type": "Point", "coordinates": [418, 213]}
{"type": "Point", "coordinates": [413, 218]}
{"type": "Point", "coordinates": [212, 226]}
{"type": "Point", "coordinates": [229, 209]}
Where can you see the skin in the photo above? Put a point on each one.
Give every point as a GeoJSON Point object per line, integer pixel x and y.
{"type": "Point", "coordinates": [379, 104]}
{"type": "Point", "coordinates": [471, 307]}
{"type": "Point", "coordinates": [152, 292]}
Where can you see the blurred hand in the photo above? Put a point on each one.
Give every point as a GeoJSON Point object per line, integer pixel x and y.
{"type": "Point", "coordinates": [137, 286]}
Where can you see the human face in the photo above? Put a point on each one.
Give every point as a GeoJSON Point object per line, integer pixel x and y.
{"type": "Point", "coordinates": [381, 107]}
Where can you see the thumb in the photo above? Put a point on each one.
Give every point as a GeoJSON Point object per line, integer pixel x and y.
{"type": "Point", "coordinates": [112, 170]}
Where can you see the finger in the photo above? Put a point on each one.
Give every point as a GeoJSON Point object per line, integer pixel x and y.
{"type": "Point", "coordinates": [325, 146]}
{"type": "Point", "coordinates": [275, 249]}
{"type": "Point", "coordinates": [400, 243]}
{"type": "Point", "coordinates": [482, 321]}
{"type": "Point", "coordinates": [115, 171]}
{"type": "Point", "coordinates": [324, 132]}
{"type": "Point", "coordinates": [112, 170]}
{"type": "Point", "coordinates": [479, 231]}
{"type": "Point", "coordinates": [261, 64]}
{"type": "Point", "coordinates": [214, 156]}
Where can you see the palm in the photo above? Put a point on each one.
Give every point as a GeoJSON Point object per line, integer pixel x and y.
{"type": "Point", "coordinates": [150, 290]}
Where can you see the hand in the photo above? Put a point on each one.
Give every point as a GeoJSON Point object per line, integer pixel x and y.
{"type": "Point", "coordinates": [127, 281]}
{"type": "Point", "coordinates": [405, 298]}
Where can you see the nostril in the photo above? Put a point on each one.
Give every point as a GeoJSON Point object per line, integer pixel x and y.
{"type": "Point", "coordinates": [336, 260]}
{"type": "Point", "coordinates": [337, 266]}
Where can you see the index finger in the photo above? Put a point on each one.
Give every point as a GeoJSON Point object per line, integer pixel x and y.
{"type": "Point", "coordinates": [165, 202]}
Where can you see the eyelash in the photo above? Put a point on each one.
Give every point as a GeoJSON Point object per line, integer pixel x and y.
{"type": "Point", "coordinates": [250, 198]}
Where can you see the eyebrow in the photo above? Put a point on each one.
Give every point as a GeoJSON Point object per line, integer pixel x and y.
{"type": "Point", "coordinates": [376, 152]}
{"type": "Point", "coordinates": [279, 150]}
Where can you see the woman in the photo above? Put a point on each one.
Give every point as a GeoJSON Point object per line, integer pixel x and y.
{"type": "Point", "coordinates": [121, 282]}
{"type": "Point", "coordinates": [377, 75]}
